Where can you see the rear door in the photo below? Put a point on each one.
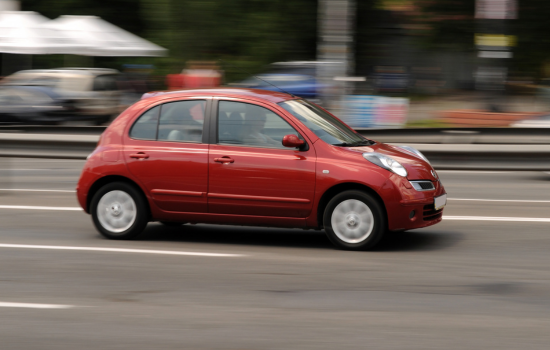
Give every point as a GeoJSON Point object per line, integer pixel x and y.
{"type": "Point", "coordinates": [165, 151]}
{"type": "Point", "coordinates": [250, 171]}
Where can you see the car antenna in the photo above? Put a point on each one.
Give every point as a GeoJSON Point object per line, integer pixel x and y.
{"type": "Point", "coordinates": [257, 77]}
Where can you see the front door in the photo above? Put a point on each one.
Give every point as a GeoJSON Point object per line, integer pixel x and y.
{"type": "Point", "coordinates": [165, 152]}
{"type": "Point", "coordinates": [251, 172]}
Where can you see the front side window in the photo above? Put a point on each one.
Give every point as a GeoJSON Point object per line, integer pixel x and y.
{"type": "Point", "coordinates": [250, 125]}
{"type": "Point", "coordinates": [325, 126]}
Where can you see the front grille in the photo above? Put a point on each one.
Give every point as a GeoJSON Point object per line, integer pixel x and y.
{"type": "Point", "coordinates": [430, 213]}
{"type": "Point", "coordinates": [423, 185]}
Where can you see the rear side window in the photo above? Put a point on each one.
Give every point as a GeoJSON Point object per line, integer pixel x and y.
{"type": "Point", "coordinates": [173, 121]}
{"type": "Point", "coordinates": [145, 128]}
{"type": "Point", "coordinates": [182, 121]}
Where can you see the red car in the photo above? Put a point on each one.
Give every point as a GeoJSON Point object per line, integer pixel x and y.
{"type": "Point", "coordinates": [253, 157]}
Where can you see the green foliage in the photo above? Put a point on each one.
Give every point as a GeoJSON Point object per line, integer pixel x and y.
{"type": "Point", "coordinates": [450, 24]}
{"type": "Point", "coordinates": [447, 24]}
{"type": "Point", "coordinates": [532, 53]}
{"type": "Point", "coordinates": [426, 123]}
{"type": "Point", "coordinates": [247, 34]}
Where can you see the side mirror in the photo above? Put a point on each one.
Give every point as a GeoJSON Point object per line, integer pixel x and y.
{"type": "Point", "coordinates": [292, 141]}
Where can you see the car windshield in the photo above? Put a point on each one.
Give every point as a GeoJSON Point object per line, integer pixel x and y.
{"type": "Point", "coordinates": [327, 127]}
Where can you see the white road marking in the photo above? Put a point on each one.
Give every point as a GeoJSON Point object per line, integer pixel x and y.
{"type": "Point", "coordinates": [32, 207]}
{"type": "Point", "coordinates": [21, 169]}
{"type": "Point", "coordinates": [499, 200]}
{"type": "Point", "coordinates": [481, 171]}
{"type": "Point", "coordinates": [34, 190]}
{"type": "Point", "coordinates": [495, 218]}
{"type": "Point", "coordinates": [119, 250]}
{"type": "Point", "coordinates": [36, 306]}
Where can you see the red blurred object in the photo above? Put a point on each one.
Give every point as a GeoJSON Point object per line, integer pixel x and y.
{"type": "Point", "coordinates": [196, 75]}
{"type": "Point", "coordinates": [174, 81]}
{"type": "Point", "coordinates": [203, 180]}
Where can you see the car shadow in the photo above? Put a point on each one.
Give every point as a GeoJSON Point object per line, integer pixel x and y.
{"type": "Point", "coordinates": [543, 176]}
{"type": "Point", "coordinates": [237, 235]}
{"type": "Point", "coordinates": [418, 240]}
{"type": "Point", "coordinates": [293, 238]}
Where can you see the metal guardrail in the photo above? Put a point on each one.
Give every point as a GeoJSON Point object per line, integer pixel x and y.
{"type": "Point", "coordinates": [414, 135]}
{"type": "Point", "coordinates": [56, 146]}
{"type": "Point", "coordinates": [480, 149]}
{"type": "Point", "coordinates": [52, 129]}
{"type": "Point", "coordinates": [461, 135]}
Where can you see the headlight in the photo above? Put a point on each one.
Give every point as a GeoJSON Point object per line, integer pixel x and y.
{"type": "Point", "coordinates": [415, 152]}
{"type": "Point", "coordinates": [386, 163]}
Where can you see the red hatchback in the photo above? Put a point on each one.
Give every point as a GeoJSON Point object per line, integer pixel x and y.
{"type": "Point", "coordinates": [253, 157]}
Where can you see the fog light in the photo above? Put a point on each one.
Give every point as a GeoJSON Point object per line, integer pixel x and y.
{"type": "Point", "coordinates": [412, 214]}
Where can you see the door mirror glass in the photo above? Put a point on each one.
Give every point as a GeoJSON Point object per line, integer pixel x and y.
{"type": "Point", "coordinates": [292, 141]}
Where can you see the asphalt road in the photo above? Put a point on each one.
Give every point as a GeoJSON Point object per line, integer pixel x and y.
{"type": "Point", "coordinates": [475, 281]}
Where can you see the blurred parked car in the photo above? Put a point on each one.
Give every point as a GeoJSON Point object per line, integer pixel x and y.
{"type": "Point", "coordinates": [92, 93]}
{"type": "Point", "coordinates": [298, 78]}
{"type": "Point", "coordinates": [391, 79]}
{"type": "Point", "coordinates": [33, 104]}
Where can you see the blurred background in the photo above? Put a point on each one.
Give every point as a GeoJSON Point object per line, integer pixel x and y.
{"type": "Point", "coordinates": [374, 63]}
{"type": "Point", "coordinates": [466, 82]}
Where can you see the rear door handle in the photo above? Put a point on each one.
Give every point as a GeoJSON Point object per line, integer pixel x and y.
{"type": "Point", "coordinates": [139, 155]}
{"type": "Point", "coordinates": [224, 160]}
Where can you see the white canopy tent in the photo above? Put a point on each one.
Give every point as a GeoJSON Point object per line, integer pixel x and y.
{"type": "Point", "coordinates": [23, 32]}
{"type": "Point", "coordinates": [103, 38]}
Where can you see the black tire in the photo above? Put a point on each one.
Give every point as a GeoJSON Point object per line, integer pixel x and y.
{"type": "Point", "coordinates": [354, 222]}
{"type": "Point", "coordinates": [142, 212]}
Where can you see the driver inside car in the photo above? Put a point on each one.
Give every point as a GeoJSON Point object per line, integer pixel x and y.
{"type": "Point", "coordinates": [253, 129]}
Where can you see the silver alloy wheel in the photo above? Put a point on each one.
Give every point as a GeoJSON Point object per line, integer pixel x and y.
{"type": "Point", "coordinates": [352, 221]}
{"type": "Point", "coordinates": [116, 211]}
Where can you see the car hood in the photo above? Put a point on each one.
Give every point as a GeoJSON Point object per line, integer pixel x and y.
{"type": "Point", "coordinates": [417, 168]}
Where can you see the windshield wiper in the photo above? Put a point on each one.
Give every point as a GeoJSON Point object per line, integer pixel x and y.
{"type": "Point", "coordinates": [344, 144]}
{"type": "Point", "coordinates": [355, 144]}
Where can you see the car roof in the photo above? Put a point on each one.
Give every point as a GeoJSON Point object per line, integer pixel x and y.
{"type": "Point", "coordinates": [266, 95]}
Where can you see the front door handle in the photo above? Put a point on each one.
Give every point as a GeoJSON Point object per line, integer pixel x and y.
{"type": "Point", "coordinates": [224, 160]}
{"type": "Point", "coordinates": [139, 155]}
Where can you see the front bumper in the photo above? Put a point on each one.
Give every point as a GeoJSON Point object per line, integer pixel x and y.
{"type": "Point", "coordinates": [415, 209]}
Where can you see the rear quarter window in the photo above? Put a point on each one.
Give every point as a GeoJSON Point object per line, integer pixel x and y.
{"type": "Point", "coordinates": [145, 127]}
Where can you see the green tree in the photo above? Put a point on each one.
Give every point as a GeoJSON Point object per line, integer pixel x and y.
{"type": "Point", "coordinates": [247, 34]}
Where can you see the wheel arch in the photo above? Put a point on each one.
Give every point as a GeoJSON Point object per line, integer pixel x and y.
{"type": "Point", "coordinates": [346, 186]}
{"type": "Point", "coordinates": [109, 179]}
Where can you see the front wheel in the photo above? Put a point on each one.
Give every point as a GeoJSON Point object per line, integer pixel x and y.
{"type": "Point", "coordinates": [354, 220]}
{"type": "Point", "coordinates": [119, 211]}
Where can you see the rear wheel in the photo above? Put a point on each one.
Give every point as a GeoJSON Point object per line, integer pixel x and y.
{"type": "Point", "coordinates": [354, 220]}
{"type": "Point", "coordinates": [119, 211]}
